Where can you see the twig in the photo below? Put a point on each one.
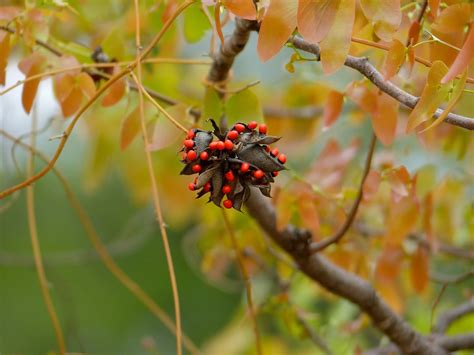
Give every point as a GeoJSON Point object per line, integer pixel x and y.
{"type": "Point", "coordinates": [457, 342]}
{"type": "Point", "coordinates": [321, 245]}
{"type": "Point", "coordinates": [154, 186]}
{"type": "Point", "coordinates": [246, 278]}
{"type": "Point", "coordinates": [30, 206]}
{"type": "Point", "coordinates": [452, 315]}
{"type": "Point", "coordinates": [102, 251]}
{"type": "Point", "coordinates": [444, 279]}
{"type": "Point", "coordinates": [363, 66]}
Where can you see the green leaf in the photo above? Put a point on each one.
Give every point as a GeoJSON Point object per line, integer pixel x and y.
{"type": "Point", "coordinates": [243, 106]}
{"type": "Point", "coordinates": [195, 24]}
{"type": "Point", "coordinates": [212, 104]}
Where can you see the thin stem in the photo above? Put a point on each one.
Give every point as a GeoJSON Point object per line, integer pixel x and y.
{"type": "Point", "coordinates": [30, 206]}
{"type": "Point", "coordinates": [102, 251]}
{"type": "Point", "coordinates": [246, 278]}
{"type": "Point", "coordinates": [155, 195]}
{"type": "Point", "coordinates": [316, 247]}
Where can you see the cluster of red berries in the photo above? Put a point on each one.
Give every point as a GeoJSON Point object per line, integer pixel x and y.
{"type": "Point", "coordinates": [227, 167]}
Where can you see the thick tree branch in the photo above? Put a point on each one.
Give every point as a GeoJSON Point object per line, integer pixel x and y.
{"type": "Point", "coordinates": [450, 316]}
{"type": "Point", "coordinates": [363, 66]}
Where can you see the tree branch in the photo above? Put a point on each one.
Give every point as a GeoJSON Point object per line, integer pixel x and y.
{"type": "Point", "coordinates": [363, 66]}
{"type": "Point", "coordinates": [457, 342]}
{"type": "Point", "coordinates": [450, 316]}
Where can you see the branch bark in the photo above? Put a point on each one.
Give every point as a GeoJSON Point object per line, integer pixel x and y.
{"type": "Point", "coordinates": [450, 316]}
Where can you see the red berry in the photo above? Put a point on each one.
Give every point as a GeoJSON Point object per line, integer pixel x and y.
{"type": "Point", "coordinates": [228, 204]}
{"type": "Point", "coordinates": [207, 187]}
{"type": "Point", "coordinates": [228, 144]}
{"type": "Point", "coordinates": [191, 186]}
{"type": "Point", "coordinates": [189, 143]}
{"type": "Point", "coordinates": [282, 158]}
{"type": "Point", "coordinates": [213, 145]}
{"type": "Point", "coordinates": [239, 127]}
{"type": "Point", "coordinates": [197, 168]}
{"type": "Point", "coordinates": [262, 128]}
{"type": "Point", "coordinates": [220, 145]}
{"type": "Point", "coordinates": [184, 156]}
{"type": "Point", "coordinates": [258, 174]}
{"type": "Point", "coordinates": [196, 180]}
{"type": "Point", "coordinates": [274, 152]}
{"type": "Point", "coordinates": [267, 148]}
{"type": "Point", "coordinates": [252, 125]}
{"type": "Point", "coordinates": [192, 155]}
{"type": "Point", "coordinates": [226, 189]}
{"type": "Point", "coordinates": [229, 175]}
{"type": "Point", "coordinates": [244, 167]}
{"type": "Point", "coordinates": [275, 173]}
{"type": "Point", "coordinates": [232, 134]}
{"type": "Point", "coordinates": [190, 134]}
{"type": "Point", "coordinates": [204, 156]}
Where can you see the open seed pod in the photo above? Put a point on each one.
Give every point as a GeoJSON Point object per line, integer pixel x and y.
{"type": "Point", "coordinates": [232, 162]}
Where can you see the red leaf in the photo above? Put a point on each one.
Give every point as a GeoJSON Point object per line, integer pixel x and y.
{"type": "Point", "coordinates": [4, 52]}
{"type": "Point", "coordinates": [277, 26]}
{"type": "Point", "coordinates": [315, 18]}
{"type": "Point", "coordinates": [241, 8]}
{"type": "Point", "coordinates": [464, 58]}
{"type": "Point", "coordinates": [333, 108]}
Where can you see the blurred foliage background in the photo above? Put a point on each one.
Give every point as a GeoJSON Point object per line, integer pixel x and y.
{"type": "Point", "coordinates": [100, 316]}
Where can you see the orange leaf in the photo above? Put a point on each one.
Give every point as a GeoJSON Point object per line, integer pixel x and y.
{"type": "Point", "coordinates": [464, 58]}
{"type": "Point", "coordinates": [333, 108]}
{"type": "Point", "coordinates": [72, 103]}
{"type": "Point", "coordinates": [336, 44]}
{"type": "Point", "coordinates": [385, 15]}
{"type": "Point", "coordinates": [241, 8]}
{"type": "Point", "coordinates": [371, 185]}
{"type": "Point", "coordinates": [315, 18]}
{"type": "Point", "coordinates": [86, 84]}
{"type": "Point", "coordinates": [277, 26]}
{"type": "Point", "coordinates": [63, 86]}
{"type": "Point", "coordinates": [385, 119]}
{"type": "Point", "coordinates": [391, 294]}
{"type": "Point", "coordinates": [30, 66]}
{"type": "Point", "coordinates": [130, 128]}
{"type": "Point", "coordinates": [365, 98]}
{"type": "Point", "coordinates": [399, 180]}
{"type": "Point", "coordinates": [402, 219]}
{"type": "Point", "coordinates": [453, 19]}
{"type": "Point", "coordinates": [395, 58]}
{"type": "Point", "coordinates": [389, 263]}
{"type": "Point", "coordinates": [4, 52]}
{"type": "Point", "coordinates": [115, 92]}
{"type": "Point", "coordinates": [434, 7]}
{"type": "Point", "coordinates": [419, 270]}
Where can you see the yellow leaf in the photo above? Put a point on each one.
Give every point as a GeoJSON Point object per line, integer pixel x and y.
{"type": "Point", "coordinates": [277, 26]}
{"type": "Point", "coordinates": [384, 14]}
{"type": "Point", "coordinates": [336, 44]}
{"type": "Point", "coordinates": [419, 269]}
{"type": "Point", "coordinates": [385, 120]}
{"type": "Point", "coordinates": [395, 58]}
{"type": "Point", "coordinates": [433, 94]}
{"type": "Point", "coordinates": [457, 92]}
{"type": "Point", "coordinates": [315, 18]}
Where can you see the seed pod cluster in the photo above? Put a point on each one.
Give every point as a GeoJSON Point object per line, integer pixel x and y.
{"type": "Point", "coordinates": [228, 165]}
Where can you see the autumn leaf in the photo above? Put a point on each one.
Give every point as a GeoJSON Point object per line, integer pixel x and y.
{"type": "Point", "coordinates": [456, 95]}
{"type": "Point", "coordinates": [333, 108]}
{"type": "Point", "coordinates": [165, 133]}
{"type": "Point", "coordinates": [277, 26]}
{"type": "Point", "coordinates": [419, 269]}
{"type": "Point", "coordinates": [464, 58]}
{"type": "Point", "coordinates": [453, 18]}
{"type": "Point", "coordinates": [336, 44]}
{"type": "Point", "coordinates": [115, 92]}
{"type": "Point", "coordinates": [385, 16]}
{"type": "Point", "coordinates": [241, 8]}
{"type": "Point", "coordinates": [371, 185]}
{"type": "Point", "coordinates": [433, 94]}
{"type": "Point", "coordinates": [130, 128]}
{"type": "Point", "coordinates": [385, 119]}
{"type": "Point", "coordinates": [434, 7]}
{"type": "Point", "coordinates": [315, 18]}
{"type": "Point", "coordinates": [8, 13]}
{"type": "Point", "coordinates": [4, 52]}
{"type": "Point", "coordinates": [399, 179]}
{"type": "Point", "coordinates": [389, 263]}
{"type": "Point", "coordinates": [395, 59]}
{"type": "Point", "coordinates": [31, 66]}
{"type": "Point", "coordinates": [86, 84]}
{"type": "Point", "coordinates": [401, 220]}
